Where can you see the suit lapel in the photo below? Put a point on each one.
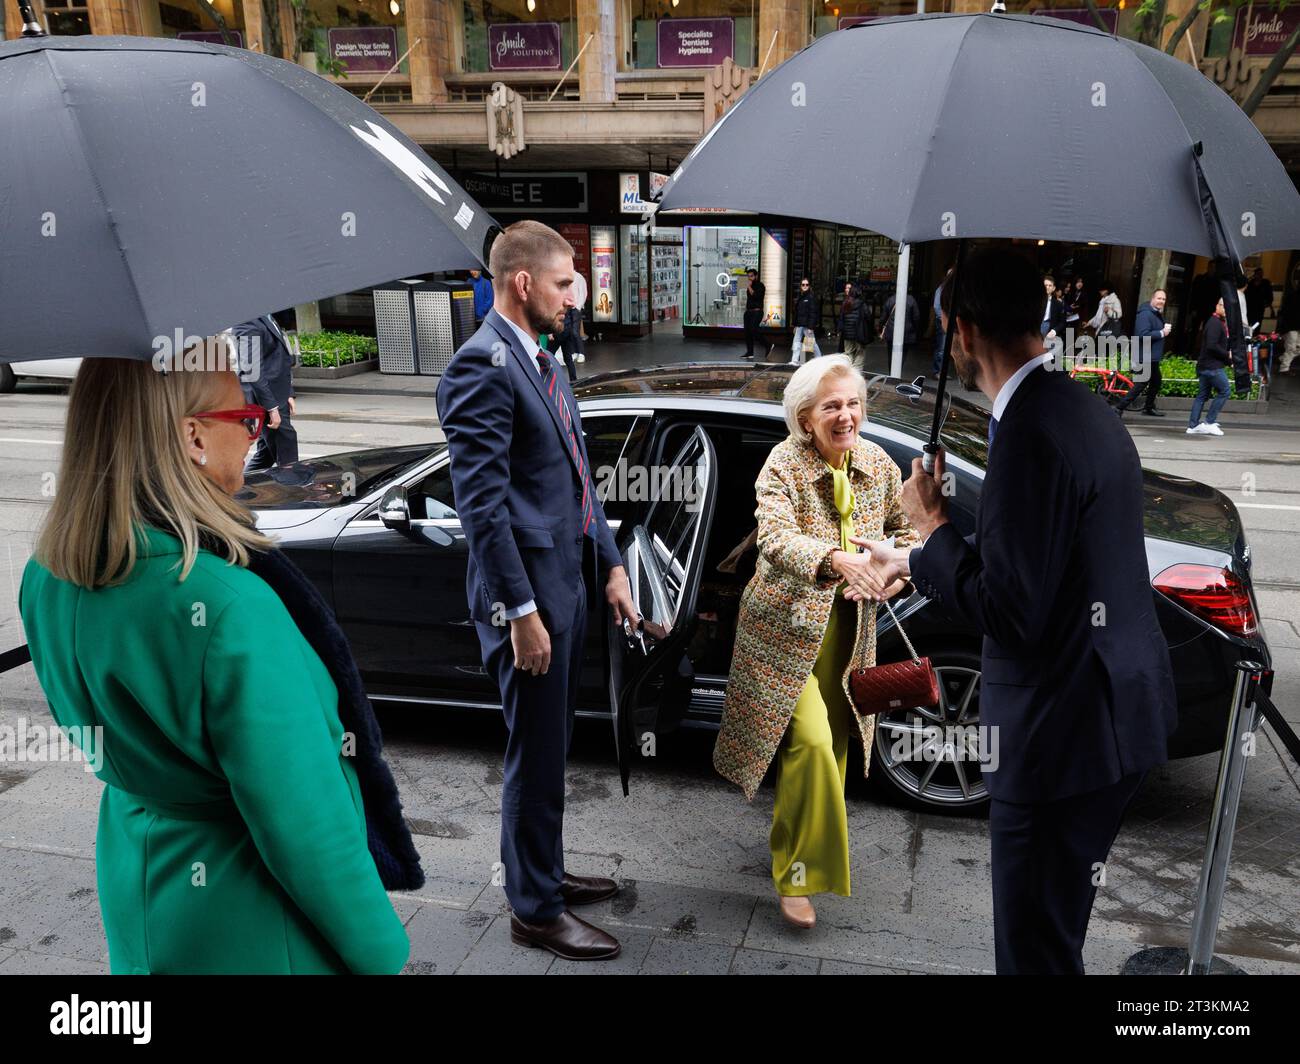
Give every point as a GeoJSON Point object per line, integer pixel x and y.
{"type": "Point", "coordinates": [530, 371]}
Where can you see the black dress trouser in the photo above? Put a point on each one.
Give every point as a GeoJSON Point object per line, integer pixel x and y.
{"type": "Point", "coordinates": [1047, 861]}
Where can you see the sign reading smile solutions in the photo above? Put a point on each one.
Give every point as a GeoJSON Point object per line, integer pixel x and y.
{"type": "Point", "coordinates": [524, 46]}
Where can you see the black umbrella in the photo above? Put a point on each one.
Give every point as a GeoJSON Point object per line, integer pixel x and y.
{"type": "Point", "coordinates": [930, 127]}
{"type": "Point", "coordinates": [151, 185]}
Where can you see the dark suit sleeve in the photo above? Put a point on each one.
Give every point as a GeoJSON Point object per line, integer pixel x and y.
{"type": "Point", "coordinates": [476, 409]}
{"type": "Point", "coordinates": [257, 382]}
{"type": "Point", "coordinates": [1029, 510]}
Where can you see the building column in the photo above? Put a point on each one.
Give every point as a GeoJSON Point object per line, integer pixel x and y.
{"type": "Point", "coordinates": [254, 39]}
{"type": "Point", "coordinates": [599, 62]}
{"type": "Point", "coordinates": [787, 21]}
{"type": "Point", "coordinates": [1155, 272]}
{"type": "Point", "coordinates": [433, 22]}
{"type": "Point", "coordinates": [14, 20]}
{"type": "Point", "coordinates": [115, 17]}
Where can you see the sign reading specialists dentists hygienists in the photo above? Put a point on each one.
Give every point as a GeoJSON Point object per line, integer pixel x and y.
{"type": "Point", "coordinates": [695, 42]}
{"type": "Point", "coordinates": [524, 46]}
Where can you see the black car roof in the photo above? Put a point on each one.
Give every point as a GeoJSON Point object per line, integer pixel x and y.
{"type": "Point", "coordinates": [964, 433]}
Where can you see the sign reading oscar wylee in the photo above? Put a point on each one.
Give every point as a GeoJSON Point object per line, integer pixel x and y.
{"type": "Point", "coordinates": [695, 42]}
{"type": "Point", "coordinates": [363, 49]}
{"type": "Point", "coordinates": [524, 46]}
{"type": "Point", "coordinates": [537, 193]}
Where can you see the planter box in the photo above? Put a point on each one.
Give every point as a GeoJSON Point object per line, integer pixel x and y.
{"type": "Point", "coordinates": [1232, 406]}
{"type": "Point", "coordinates": [329, 373]}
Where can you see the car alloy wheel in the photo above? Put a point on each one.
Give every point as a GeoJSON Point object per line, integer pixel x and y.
{"type": "Point", "coordinates": [929, 756]}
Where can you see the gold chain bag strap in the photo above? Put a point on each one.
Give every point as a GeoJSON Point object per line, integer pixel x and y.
{"type": "Point", "coordinates": [903, 684]}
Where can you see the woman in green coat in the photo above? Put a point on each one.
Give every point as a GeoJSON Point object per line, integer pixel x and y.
{"type": "Point", "coordinates": [232, 835]}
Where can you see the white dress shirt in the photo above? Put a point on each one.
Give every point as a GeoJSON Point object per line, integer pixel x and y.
{"type": "Point", "coordinates": [1008, 389]}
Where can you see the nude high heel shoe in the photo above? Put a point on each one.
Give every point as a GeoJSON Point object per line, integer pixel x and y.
{"type": "Point", "coordinates": [798, 911]}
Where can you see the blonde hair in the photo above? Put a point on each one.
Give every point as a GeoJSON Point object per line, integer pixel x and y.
{"type": "Point", "coordinates": [526, 246]}
{"type": "Point", "coordinates": [125, 464]}
{"type": "Point", "coordinates": [806, 381]}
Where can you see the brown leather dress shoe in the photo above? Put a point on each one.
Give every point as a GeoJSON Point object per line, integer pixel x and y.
{"type": "Point", "coordinates": [583, 890]}
{"type": "Point", "coordinates": [566, 936]}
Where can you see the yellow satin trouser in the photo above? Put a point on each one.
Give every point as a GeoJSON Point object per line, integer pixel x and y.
{"type": "Point", "coordinates": [810, 829]}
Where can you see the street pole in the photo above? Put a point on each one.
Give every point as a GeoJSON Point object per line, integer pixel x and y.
{"type": "Point", "coordinates": [900, 310]}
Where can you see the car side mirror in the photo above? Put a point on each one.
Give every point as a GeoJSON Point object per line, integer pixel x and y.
{"type": "Point", "coordinates": [394, 510]}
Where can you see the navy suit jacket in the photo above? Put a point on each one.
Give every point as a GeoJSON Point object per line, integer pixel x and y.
{"type": "Point", "coordinates": [1076, 671]}
{"type": "Point", "coordinates": [515, 481]}
{"type": "Point", "coordinates": [274, 377]}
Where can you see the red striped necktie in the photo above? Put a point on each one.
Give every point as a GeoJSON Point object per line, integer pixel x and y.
{"type": "Point", "coordinates": [551, 383]}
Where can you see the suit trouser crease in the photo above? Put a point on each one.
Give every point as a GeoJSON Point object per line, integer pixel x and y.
{"type": "Point", "coordinates": [539, 714]}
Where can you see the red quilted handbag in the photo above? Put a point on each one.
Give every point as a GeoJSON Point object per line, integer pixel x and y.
{"type": "Point", "coordinates": [882, 688]}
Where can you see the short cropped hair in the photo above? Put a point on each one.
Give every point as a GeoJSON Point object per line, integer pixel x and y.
{"type": "Point", "coordinates": [527, 246]}
{"type": "Point", "coordinates": [1000, 292]}
{"type": "Point", "coordinates": [804, 384]}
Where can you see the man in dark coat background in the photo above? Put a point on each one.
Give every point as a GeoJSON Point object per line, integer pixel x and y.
{"type": "Point", "coordinates": [1075, 671]}
{"type": "Point", "coordinates": [1149, 326]}
{"type": "Point", "coordinates": [269, 383]}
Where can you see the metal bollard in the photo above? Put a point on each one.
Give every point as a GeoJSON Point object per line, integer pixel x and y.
{"type": "Point", "coordinates": [1244, 718]}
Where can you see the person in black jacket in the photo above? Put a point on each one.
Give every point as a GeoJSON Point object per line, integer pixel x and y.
{"type": "Point", "coordinates": [1150, 326]}
{"type": "Point", "coordinates": [807, 317]}
{"type": "Point", "coordinates": [269, 383]}
{"type": "Point", "coordinates": [1076, 682]}
{"type": "Point", "coordinates": [755, 290]}
{"type": "Point", "coordinates": [854, 325]}
{"type": "Point", "coordinates": [1053, 323]}
{"type": "Point", "coordinates": [1212, 372]}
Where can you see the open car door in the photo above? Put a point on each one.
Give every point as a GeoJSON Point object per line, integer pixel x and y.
{"type": "Point", "coordinates": [664, 559]}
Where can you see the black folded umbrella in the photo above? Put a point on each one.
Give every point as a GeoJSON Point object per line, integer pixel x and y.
{"type": "Point", "coordinates": [930, 127]}
{"type": "Point", "coordinates": [150, 185]}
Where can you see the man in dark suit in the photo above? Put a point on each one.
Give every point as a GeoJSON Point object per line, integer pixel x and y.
{"type": "Point", "coordinates": [1053, 323]}
{"type": "Point", "coordinates": [269, 383]}
{"type": "Point", "coordinates": [538, 542]}
{"type": "Point", "coordinates": [1076, 676]}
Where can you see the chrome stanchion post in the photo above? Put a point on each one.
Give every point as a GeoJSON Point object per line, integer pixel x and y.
{"type": "Point", "coordinates": [1243, 719]}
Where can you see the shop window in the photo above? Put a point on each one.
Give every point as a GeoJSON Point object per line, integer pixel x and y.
{"type": "Point", "coordinates": [519, 35]}
{"type": "Point", "coordinates": [66, 18]}
{"type": "Point", "coordinates": [691, 33]}
{"type": "Point", "coordinates": [717, 258]}
{"type": "Point", "coordinates": [191, 21]}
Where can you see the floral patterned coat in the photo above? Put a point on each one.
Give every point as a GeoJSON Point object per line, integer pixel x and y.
{"type": "Point", "coordinates": [785, 608]}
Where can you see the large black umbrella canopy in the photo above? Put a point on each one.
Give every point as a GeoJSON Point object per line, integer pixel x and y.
{"type": "Point", "coordinates": [929, 127]}
{"type": "Point", "coordinates": [150, 185]}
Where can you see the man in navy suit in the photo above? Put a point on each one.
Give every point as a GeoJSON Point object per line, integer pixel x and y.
{"type": "Point", "coordinates": [1076, 676]}
{"type": "Point", "coordinates": [538, 541]}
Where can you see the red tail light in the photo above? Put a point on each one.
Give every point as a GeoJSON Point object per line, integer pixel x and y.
{"type": "Point", "coordinates": [1215, 594]}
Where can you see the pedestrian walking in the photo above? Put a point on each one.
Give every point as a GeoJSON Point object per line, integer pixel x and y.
{"type": "Point", "coordinates": [1288, 324]}
{"type": "Point", "coordinates": [755, 291]}
{"type": "Point", "coordinates": [1106, 322]}
{"type": "Point", "coordinates": [1074, 298]}
{"type": "Point", "coordinates": [1053, 323]}
{"type": "Point", "coordinates": [1151, 327]}
{"type": "Point", "coordinates": [911, 323]}
{"type": "Point", "coordinates": [482, 295]}
{"type": "Point", "coordinates": [854, 325]}
{"type": "Point", "coordinates": [1259, 297]}
{"type": "Point", "coordinates": [567, 343]}
{"type": "Point", "coordinates": [807, 317]}
{"type": "Point", "coordinates": [268, 382]}
{"type": "Point", "coordinates": [1212, 373]}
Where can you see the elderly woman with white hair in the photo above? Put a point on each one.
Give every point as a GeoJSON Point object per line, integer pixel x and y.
{"type": "Point", "coordinates": [807, 618]}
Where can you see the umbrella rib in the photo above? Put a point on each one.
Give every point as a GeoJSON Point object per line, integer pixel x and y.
{"type": "Point", "coordinates": [99, 191]}
{"type": "Point", "coordinates": [934, 126]}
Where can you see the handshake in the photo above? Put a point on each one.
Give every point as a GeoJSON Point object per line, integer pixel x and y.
{"type": "Point", "coordinates": [878, 574]}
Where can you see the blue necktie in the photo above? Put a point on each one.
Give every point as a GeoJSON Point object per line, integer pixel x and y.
{"type": "Point", "coordinates": [993, 428]}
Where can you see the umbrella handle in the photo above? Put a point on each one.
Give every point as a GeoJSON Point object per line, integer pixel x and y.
{"type": "Point", "coordinates": [930, 452]}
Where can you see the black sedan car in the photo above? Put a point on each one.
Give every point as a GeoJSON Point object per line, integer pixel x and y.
{"type": "Point", "coordinates": [676, 452]}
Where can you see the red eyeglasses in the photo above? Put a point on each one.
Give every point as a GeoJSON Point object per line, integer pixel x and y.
{"type": "Point", "coordinates": [251, 416]}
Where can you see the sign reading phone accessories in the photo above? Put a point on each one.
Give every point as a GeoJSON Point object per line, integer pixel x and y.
{"type": "Point", "coordinates": [695, 42]}
{"type": "Point", "coordinates": [524, 46]}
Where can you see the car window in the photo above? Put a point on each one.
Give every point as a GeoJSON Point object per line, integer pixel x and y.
{"type": "Point", "coordinates": [431, 498]}
{"type": "Point", "coordinates": [613, 446]}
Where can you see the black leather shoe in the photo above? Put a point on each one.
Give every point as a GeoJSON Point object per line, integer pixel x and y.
{"type": "Point", "coordinates": [583, 890]}
{"type": "Point", "coordinates": [1153, 412]}
{"type": "Point", "coordinates": [566, 936]}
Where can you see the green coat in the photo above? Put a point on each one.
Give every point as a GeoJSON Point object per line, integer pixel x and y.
{"type": "Point", "coordinates": [232, 836]}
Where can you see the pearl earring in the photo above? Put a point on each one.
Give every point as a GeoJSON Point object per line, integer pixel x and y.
{"type": "Point", "coordinates": [203, 459]}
